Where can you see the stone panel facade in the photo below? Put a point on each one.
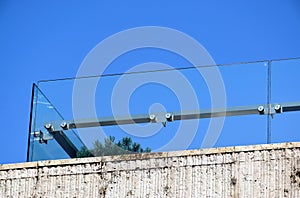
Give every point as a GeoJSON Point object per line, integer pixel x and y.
{"type": "Point", "coordinates": [247, 171]}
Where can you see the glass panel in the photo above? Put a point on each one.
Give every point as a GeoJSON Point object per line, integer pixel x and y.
{"type": "Point", "coordinates": [285, 88]}
{"type": "Point", "coordinates": [246, 84]}
{"type": "Point", "coordinates": [142, 93]}
{"type": "Point", "coordinates": [139, 93]}
{"type": "Point", "coordinates": [175, 90]}
{"type": "Point", "coordinates": [243, 130]}
{"type": "Point", "coordinates": [285, 81]}
{"type": "Point", "coordinates": [285, 127]}
{"type": "Point", "coordinates": [44, 145]}
{"type": "Point", "coordinates": [165, 91]}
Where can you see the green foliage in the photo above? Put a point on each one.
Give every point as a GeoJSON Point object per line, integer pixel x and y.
{"type": "Point", "coordinates": [110, 147]}
{"type": "Point", "coordinates": [84, 152]}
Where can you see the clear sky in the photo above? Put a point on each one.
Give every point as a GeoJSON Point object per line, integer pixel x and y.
{"type": "Point", "coordinates": [41, 40]}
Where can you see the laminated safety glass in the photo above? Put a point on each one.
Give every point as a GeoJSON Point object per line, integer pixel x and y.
{"type": "Point", "coordinates": [42, 144]}
{"type": "Point", "coordinates": [246, 86]}
{"type": "Point", "coordinates": [285, 90]}
{"type": "Point", "coordinates": [165, 104]}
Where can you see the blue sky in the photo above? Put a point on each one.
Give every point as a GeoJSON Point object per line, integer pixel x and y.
{"type": "Point", "coordinates": [41, 40]}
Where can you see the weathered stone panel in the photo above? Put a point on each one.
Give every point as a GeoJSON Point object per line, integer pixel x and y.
{"type": "Point", "coordinates": [248, 171]}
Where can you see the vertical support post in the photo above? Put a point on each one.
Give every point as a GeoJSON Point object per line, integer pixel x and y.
{"type": "Point", "coordinates": [269, 101]}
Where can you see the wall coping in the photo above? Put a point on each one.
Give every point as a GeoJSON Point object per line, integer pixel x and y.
{"type": "Point", "coordinates": [154, 155]}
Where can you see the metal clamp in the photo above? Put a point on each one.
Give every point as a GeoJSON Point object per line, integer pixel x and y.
{"type": "Point", "coordinates": [42, 137]}
{"type": "Point", "coordinates": [169, 117]}
{"type": "Point", "coordinates": [64, 125]}
{"type": "Point", "coordinates": [261, 110]}
{"type": "Point", "coordinates": [278, 108]}
{"type": "Point", "coordinates": [161, 118]}
{"type": "Point", "coordinates": [270, 110]}
{"type": "Point", "coordinates": [49, 127]}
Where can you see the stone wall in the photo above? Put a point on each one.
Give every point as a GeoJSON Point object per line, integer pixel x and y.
{"type": "Point", "coordinates": [248, 171]}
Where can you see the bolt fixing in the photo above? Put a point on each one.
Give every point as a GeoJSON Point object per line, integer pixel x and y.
{"type": "Point", "coordinates": [48, 126]}
{"type": "Point", "coordinates": [63, 125]}
{"type": "Point", "coordinates": [260, 108]}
